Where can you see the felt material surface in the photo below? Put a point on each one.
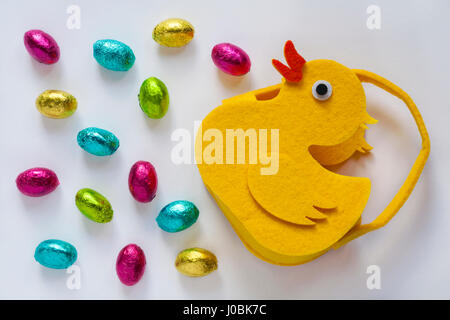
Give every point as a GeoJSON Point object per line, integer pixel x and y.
{"type": "Point", "coordinates": [405, 190]}
{"type": "Point", "coordinates": [291, 209]}
{"type": "Point", "coordinates": [281, 216]}
{"type": "Point", "coordinates": [332, 155]}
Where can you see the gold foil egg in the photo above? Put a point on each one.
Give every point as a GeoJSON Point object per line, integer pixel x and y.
{"type": "Point", "coordinates": [196, 262]}
{"type": "Point", "coordinates": [56, 104]}
{"type": "Point", "coordinates": [173, 32]}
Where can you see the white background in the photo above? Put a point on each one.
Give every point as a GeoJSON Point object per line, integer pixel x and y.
{"type": "Point", "coordinates": [411, 49]}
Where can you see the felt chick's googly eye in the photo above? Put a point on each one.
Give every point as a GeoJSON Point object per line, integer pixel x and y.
{"type": "Point", "coordinates": [322, 90]}
{"type": "Point", "coordinates": [277, 192]}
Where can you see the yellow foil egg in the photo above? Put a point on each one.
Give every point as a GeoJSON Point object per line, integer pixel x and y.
{"type": "Point", "coordinates": [173, 32]}
{"type": "Point", "coordinates": [56, 104]}
{"type": "Point", "coordinates": [196, 262]}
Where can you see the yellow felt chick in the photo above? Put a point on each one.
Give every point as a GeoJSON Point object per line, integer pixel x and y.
{"type": "Point", "coordinates": [291, 210]}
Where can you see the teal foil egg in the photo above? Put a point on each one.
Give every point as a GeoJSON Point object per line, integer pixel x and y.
{"type": "Point", "coordinates": [113, 55]}
{"type": "Point", "coordinates": [98, 141]}
{"type": "Point", "coordinates": [177, 216]}
{"type": "Point", "coordinates": [55, 254]}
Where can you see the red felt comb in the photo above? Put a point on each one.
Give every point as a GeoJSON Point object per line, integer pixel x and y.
{"type": "Point", "coordinates": [295, 61]}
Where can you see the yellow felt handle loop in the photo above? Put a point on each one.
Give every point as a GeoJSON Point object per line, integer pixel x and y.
{"type": "Point", "coordinates": [407, 187]}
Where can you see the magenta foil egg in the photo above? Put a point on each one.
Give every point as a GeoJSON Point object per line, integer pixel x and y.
{"type": "Point", "coordinates": [130, 264]}
{"type": "Point", "coordinates": [37, 182]}
{"type": "Point", "coordinates": [41, 46]}
{"type": "Point", "coordinates": [231, 59]}
{"type": "Point", "coordinates": [143, 181]}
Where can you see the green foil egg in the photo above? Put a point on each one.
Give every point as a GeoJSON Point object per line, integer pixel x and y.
{"type": "Point", "coordinates": [154, 98]}
{"type": "Point", "coordinates": [93, 205]}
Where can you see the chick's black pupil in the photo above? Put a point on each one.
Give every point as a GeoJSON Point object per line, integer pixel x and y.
{"type": "Point", "coordinates": [322, 89]}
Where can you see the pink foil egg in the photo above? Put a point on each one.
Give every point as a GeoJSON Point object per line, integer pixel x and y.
{"type": "Point", "coordinates": [41, 46]}
{"type": "Point", "coordinates": [130, 264]}
{"type": "Point", "coordinates": [37, 182]}
{"type": "Point", "coordinates": [231, 59]}
{"type": "Point", "coordinates": [143, 181]}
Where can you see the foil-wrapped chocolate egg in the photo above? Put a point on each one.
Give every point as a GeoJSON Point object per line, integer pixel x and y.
{"type": "Point", "coordinates": [130, 264]}
{"type": "Point", "coordinates": [55, 254]}
{"type": "Point", "coordinates": [177, 216]}
{"type": "Point", "coordinates": [196, 262]}
{"type": "Point", "coordinates": [113, 55]}
{"type": "Point", "coordinates": [174, 32]}
{"type": "Point", "coordinates": [93, 205]}
{"type": "Point", "coordinates": [154, 98]}
{"type": "Point", "coordinates": [41, 46]}
{"type": "Point", "coordinates": [143, 181]}
{"type": "Point", "coordinates": [231, 59]}
{"type": "Point", "coordinates": [56, 104]}
{"type": "Point", "coordinates": [37, 182]}
{"type": "Point", "coordinates": [98, 142]}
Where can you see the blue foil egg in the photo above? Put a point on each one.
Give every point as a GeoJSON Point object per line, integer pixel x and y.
{"type": "Point", "coordinates": [113, 55]}
{"type": "Point", "coordinates": [177, 216]}
{"type": "Point", "coordinates": [98, 141]}
{"type": "Point", "coordinates": [55, 254]}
